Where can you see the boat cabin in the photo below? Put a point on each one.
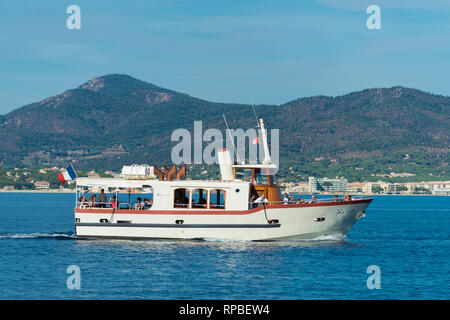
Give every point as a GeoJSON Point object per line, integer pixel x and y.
{"type": "Point", "coordinates": [262, 178]}
{"type": "Point", "coordinates": [167, 195]}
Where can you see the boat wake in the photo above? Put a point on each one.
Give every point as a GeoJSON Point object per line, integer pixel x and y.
{"type": "Point", "coordinates": [220, 240]}
{"type": "Point", "coordinates": [331, 237]}
{"type": "Point", "coordinates": [38, 235]}
{"type": "Point", "coordinates": [324, 238]}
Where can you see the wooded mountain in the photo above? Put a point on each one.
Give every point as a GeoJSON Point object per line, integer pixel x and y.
{"type": "Point", "coordinates": [115, 119]}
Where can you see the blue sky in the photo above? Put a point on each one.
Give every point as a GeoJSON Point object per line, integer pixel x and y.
{"type": "Point", "coordinates": [226, 51]}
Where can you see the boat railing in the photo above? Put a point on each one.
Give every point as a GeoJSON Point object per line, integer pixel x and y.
{"type": "Point", "coordinates": [252, 204]}
{"type": "Point", "coordinates": [124, 205]}
{"type": "Point", "coordinates": [108, 205]}
{"type": "Point", "coordinates": [136, 206]}
{"type": "Point", "coordinates": [88, 205]}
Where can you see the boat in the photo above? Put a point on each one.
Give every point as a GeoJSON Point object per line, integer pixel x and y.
{"type": "Point", "coordinates": [223, 209]}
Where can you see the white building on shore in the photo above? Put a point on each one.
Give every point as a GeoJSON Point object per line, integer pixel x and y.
{"type": "Point", "coordinates": [337, 185]}
{"type": "Point", "coordinates": [42, 185]}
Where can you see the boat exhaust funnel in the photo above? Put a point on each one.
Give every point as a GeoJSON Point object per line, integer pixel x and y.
{"type": "Point", "coordinates": [226, 169]}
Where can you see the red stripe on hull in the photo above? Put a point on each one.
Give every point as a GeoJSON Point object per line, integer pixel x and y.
{"type": "Point", "coordinates": [214, 212]}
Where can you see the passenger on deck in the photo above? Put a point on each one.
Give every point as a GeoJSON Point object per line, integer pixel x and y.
{"type": "Point", "coordinates": [251, 202]}
{"type": "Point", "coordinates": [83, 202]}
{"type": "Point", "coordinates": [291, 199]}
{"type": "Point", "coordinates": [147, 203]}
{"type": "Point", "coordinates": [91, 202]}
{"type": "Point", "coordinates": [113, 202]}
{"type": "Point", "coordinates": [336, 198]}
{"type": "Point", "coordinates": [138, 205]}
{"type": "Point", "coordinates": [102, 200]}
{"type": "Point", "coordinates": [313, 199]}
{"type": "Point", "coordinates": [300, 201]}
{"type": "Point", "coordinates": [261, 200]}
{"type": "Point", "coordinates": [347, 197]}
{"type": "Point", "coordinates": [285, 199]}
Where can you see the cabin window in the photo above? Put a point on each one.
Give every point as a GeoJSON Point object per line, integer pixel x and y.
{"type": "Point", "coordinates": [217, 199]}
{"type": "Point", "coordinates": [243, 174]}
{"type": "Point", "coordinates": [262, 177]}
{"type": "Point", "coordinates": [199, 198]}
{"type": "Point", "coordinates": [274, 179]}
{"type": "Point", "coordinates": [181, 198]}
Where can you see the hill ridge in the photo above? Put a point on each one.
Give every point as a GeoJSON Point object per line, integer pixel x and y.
{"type": "Point", "coordinates": [84, 124]}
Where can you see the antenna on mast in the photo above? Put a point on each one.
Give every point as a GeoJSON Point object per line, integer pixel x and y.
{"type": "Point", "coordinates": [231, 138]}
{"type": "Point", "coordinates": [256, 117]}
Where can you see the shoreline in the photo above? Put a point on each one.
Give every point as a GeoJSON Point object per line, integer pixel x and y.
{"type": "Point", "coordinates": [39, 191]}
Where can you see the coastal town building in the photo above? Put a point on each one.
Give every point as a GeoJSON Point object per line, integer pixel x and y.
{"type": "Point", "coordinates": [380, 187]}
{"type": "Point", "coordinates": [341, 186]}
{"type": "Point", "coordinates": [355, 187]}
{"type": "Point", "coordinates": [297, 188]}
{"type": "Point", "coordinates": [433, 187]}
{"type": "Point", "coordinates": [338, 185]}
{"type": "Point", "coordinates": [93, 174]}
{"type": "Point", "coordinates": [441, 189]}
{"type": "Point", "coordinates": [441, 192]}
{"type": "Point", "coordinates": [42, 185]}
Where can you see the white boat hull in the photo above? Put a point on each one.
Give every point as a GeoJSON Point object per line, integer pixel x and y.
{"type": "Point", "coordinates": [274, 222]}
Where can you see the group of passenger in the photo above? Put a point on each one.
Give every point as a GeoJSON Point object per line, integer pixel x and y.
{"type": "Point", "coordinates": [146, 203]}
{"type": "Point", "coordinates": [102, 202]}
{"type": "Point", "coordinates": [262, 200]}
{"type": "Point", "coordinates": [290, 199]}
{"type": "Point", "coordinates": [87, 204]}
{"type": "Point", "coordinates": [142, 204]}
{"type": "Point", "coordinates": [300, 200]}
{"type": "Point", "coordinates": [201, 203]}
{"type": "Point", "coordinates": [182, 204]}
{"type": "Point", "coordinates": [347, 197]}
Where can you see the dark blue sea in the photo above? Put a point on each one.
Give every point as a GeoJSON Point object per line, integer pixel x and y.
{"type": "Point", "coordinates": [406, 237]}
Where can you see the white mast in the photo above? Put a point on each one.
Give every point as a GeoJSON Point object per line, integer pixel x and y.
{"type": "Point", "coordinates": [267, 159]}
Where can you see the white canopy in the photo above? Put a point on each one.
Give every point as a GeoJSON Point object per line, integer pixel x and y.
{"type": "Point", "coordinates": [126, 183]}
{"type": "Point", "coordinates": [113, 183]}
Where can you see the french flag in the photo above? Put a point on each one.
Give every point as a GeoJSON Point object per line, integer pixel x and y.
{"type": "Point", "coordinates": [67, 175]}
{"type": "Point", "coordinates": [255, 140]}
